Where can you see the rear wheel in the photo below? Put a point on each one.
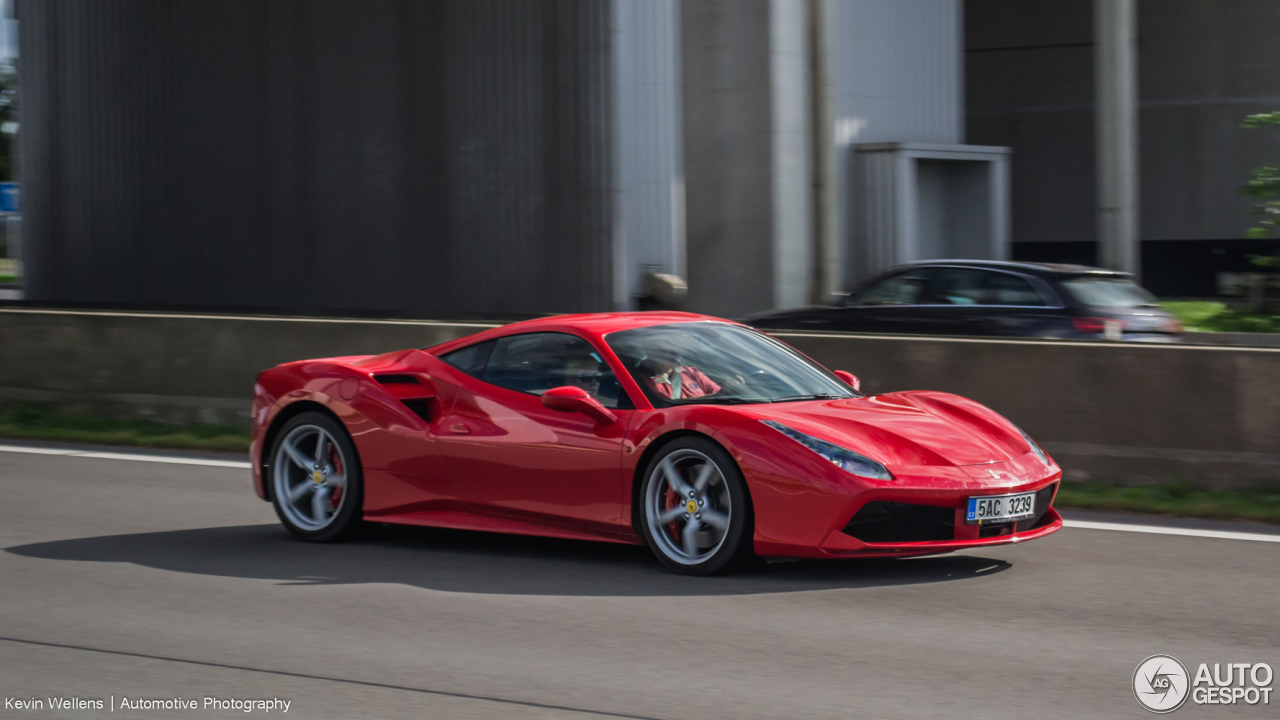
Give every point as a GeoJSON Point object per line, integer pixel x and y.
{"type": "Point", "coordinates": [695, 511]}
{"type": "Point", "coordinates": [316, 484]}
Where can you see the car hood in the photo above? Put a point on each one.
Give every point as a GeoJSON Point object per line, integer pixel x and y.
{"type": "Point", "coordinates": [905, 428]}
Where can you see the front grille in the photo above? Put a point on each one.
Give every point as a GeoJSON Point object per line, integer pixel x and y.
{"type": "Point", "coordinates": [1043, 497]}
{"type": "Point", "coordinates": [892, 522]}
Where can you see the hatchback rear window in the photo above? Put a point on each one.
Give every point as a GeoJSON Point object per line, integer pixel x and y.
{"type": "Point", "coordinates": [1109, 292]}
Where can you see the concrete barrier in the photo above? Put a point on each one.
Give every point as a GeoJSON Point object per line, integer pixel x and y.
{"type": "Point", "coordinates": [1126, 411]}
{"type": "Point", "coordinates": [176, 367]}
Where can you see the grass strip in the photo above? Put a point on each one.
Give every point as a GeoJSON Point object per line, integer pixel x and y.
{"type": "Point", "coordinates": [34, 422]}
{"type": "Point", "coordinates": [1208, 316]}
{"type": "Point", "coordinates": [1178, 499]}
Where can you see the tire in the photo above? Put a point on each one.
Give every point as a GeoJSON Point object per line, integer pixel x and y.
{"type": "Point", "coordinates": [712, 535]}
{"type": "Point", "coordinates": [297, 479]}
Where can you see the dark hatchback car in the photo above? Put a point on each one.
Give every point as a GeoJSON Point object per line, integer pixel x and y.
{"type": "Point", "coordinates": [984, 297]}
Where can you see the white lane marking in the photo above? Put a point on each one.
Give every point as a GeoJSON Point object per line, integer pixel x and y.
{"type": "Point", "coordinates": [127, 456]}
{"type": "Point", "coordinates": [1156, 530]}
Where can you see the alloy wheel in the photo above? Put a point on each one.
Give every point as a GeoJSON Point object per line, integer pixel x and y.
{"type": "Point", "coordinates": [310, 477]}
{"type": "Point", "coordinates": [688, 506]}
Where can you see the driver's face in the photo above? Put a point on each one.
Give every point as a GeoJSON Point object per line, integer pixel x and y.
{"type": "Point", "coordinates": [663, 361]}
{"type": "Point", "coordinates": [586, 376]}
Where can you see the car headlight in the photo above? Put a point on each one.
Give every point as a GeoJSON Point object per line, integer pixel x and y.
{"type": "Point", "coordinates": [1034, 447]}
{"type": "Point", "coordinates": [843, 458]}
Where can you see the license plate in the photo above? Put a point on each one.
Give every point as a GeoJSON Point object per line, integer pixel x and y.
{"type": "Point", "coordinates": [1000, 508]}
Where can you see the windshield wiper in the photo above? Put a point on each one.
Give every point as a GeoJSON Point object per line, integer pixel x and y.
{"type": "Point", "coordinates": [714, 400]}
{"type": "Point", "coordinates": [814, 396]}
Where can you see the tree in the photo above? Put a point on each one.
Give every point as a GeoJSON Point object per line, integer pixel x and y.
{"type": "Point", "coordinates": [1264, 184]}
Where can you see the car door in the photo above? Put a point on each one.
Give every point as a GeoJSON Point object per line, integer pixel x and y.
{"type": "Point", "coordinates": [887, 305]}
{"type": "Point", "coordinates": [507, 454]}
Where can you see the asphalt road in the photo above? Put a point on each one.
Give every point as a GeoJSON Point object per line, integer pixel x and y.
{"type": "Point", "coordinates": [122, 578]}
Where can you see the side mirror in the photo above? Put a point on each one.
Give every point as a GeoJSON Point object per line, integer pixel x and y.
{"type": "Point", "coordinates": [850, 379]}
{"type": "Point", "coordinates": [575, 399]}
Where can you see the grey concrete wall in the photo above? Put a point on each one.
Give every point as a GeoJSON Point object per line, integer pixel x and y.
{"type": "Point", "coordinates": [748, 154]}
{"type": "Point", "coordinates": [1202, 67]}
{"type": "Point", "coordinates": [1130, 412]}
{"type": "Point", "coordinates": [177, 368]}
{"type": "Point", "coordinates": [728, 155]}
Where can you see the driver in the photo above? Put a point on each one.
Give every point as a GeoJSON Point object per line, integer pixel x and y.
{"type": "Point", "coordinates": [585, 374]}
{"type": "Point", "coordinates": [672, 380]}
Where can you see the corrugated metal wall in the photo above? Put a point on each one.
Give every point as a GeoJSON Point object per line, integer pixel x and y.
{"type": "Point", "coordinates": [874, 187]}
{"type": "Point", "coordinates": [897, 77]}
{"type": "Point", "coordinates": [387, 156]}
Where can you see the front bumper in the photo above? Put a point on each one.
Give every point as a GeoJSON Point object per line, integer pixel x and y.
{"type": "Point", "coordinates": [839, 544]}
{"type": "Point", "coordinates": [941, 494]}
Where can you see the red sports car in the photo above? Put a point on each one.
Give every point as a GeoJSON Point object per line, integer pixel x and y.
{"type": "Point", "coordinates": [704, 439]}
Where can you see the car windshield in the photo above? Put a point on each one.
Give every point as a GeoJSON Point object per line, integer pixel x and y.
{"type": "Point", "coordinates": [716, 363]}
{"type": "Point", "coordinates": [1109, 292]}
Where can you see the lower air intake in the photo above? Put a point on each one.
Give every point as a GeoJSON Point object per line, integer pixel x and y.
{"type": "Point", "coordinates": [892, 522]}
{"type": "Point", "coordinates": [1043, 498]}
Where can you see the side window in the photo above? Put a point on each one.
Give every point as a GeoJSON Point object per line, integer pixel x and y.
{"type": "Point", "coordinates": [471, 359]}
{"type": "Point", "coordinates": [1013, 290]}
{"type": "Point", "coordinates": [967, 286]}
{"type": "Point", "coordinates": [905, 288]}
{"type": "Point", "coordinates": [957, 286]}
{"type": "Point", "coordinates": [536, 362]}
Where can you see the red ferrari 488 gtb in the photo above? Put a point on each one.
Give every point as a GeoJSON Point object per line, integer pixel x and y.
{"type": "Point", "coordinates": [704, 439]}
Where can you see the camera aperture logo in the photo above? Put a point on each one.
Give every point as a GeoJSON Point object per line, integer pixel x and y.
{"type": "Point", "coordinates": [1162, 684]}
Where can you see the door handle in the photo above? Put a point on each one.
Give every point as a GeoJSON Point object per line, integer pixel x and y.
{"type": "Point", "coordinates": [459, 429]}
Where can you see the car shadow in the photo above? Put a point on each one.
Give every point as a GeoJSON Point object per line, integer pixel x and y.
{"type": "Point", "coordinates": [475, 562]}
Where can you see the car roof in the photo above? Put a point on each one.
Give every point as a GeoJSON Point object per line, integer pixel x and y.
{"type": "Point", "coordinates": [1031, 268]}
{"type": "Point", "coordinates": [591, 325]}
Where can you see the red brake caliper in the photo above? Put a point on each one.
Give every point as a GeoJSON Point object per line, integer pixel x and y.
{"type": "Point", "coordinates": [672, 499]}
{"type": "Point", "coordinates": [336, 460]}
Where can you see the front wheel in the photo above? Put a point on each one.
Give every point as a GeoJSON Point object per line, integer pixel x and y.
{"type": "Point", "coordinates": [695, 510]}
{"type": "Point", "coordinates": [316, 484]}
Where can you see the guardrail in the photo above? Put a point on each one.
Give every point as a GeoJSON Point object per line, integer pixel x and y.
{"type": "Point", "coordinates": [1130, 411]}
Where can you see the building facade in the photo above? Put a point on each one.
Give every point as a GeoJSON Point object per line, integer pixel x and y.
{"type": "Point", "coordinates": [507, 158]}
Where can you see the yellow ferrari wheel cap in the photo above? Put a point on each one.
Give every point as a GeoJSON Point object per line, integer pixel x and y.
{"type": "Point", "coordinates": [691, 506]}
